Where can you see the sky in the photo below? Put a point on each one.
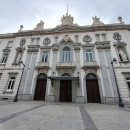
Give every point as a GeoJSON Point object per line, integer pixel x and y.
{"type": "Point", "coordinates": [28, 13]}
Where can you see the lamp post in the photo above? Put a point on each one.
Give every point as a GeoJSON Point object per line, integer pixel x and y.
{"type": "Point", "coordinates": [16, 96]}
{"type": "Point", "coordinates": [119, 96]}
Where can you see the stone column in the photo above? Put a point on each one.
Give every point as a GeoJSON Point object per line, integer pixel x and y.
{"type": "Point", "coordinates": [79, 95]}
{"type": "Point", "coordinates": [51, 96]}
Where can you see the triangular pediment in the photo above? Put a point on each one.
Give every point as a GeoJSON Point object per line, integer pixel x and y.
{"type": "Point", "coordinates": [66, 28]}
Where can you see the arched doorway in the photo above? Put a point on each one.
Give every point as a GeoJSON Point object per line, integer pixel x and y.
{"type": "Point", "coordinates": [93, 94]}
{"type": "Point", "coordinates": [40, 90]}
{"type": "Point", "coordinates": [66, 89]}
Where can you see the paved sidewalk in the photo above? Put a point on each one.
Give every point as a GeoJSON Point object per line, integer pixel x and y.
{"type": "Point", "coordinates": [62, 116]}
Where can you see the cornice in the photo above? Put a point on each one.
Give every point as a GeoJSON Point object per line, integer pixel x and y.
{"type": "Point", "coordinates": [66, 29]}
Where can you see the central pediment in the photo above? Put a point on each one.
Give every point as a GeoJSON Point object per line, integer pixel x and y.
{"type": "Point", "coordinates": [66, 28]}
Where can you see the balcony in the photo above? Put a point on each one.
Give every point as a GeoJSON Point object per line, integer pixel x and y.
{"type": "Point", "coordinates": [90, 64]}
{"type": "Point", "coordinates": [42, 65]}
{"type": "Point", "coordinates": [66, 65]}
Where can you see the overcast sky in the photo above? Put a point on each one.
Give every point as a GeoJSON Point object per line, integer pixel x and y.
{"type": "Point", "coordinates": [28, 13]}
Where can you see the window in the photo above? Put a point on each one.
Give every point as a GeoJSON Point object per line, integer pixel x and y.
{"type": "Point", "coordinates": [4, 58]}
{"type": "Point", "coordinates": [97, 37]}
{"type": "Point", "coordinates": [10, 84]}
{"type": "Point", "coordinates": [56, 39]}
{"type": "Point", "coordinates": [45, 57]}
{"type": "Point", "coordinates": [117, 36]}
{"type": "Point", "coordinates": [66, 54]}
{"type": "Point", "coordinates": [128, 82]}
{"type": "Point", "coordinates": [89, 55]}
{"type": "Point", "coordinates": [10, 43]}
{"type": "Point", "coordinates": [87, 39]}
{"type": "Point", "coordinates": [104, 37]}
{"type": "Point", "coordinates": [76, 38]}
{"type": "Point", "coordinates": [23, 41]}
{"type": "Point", "coordinates": [32, 41]}
{"type": "Point", "coordinates": [37, 40]}
{"type": "Point", "coordinates": [46, 41]}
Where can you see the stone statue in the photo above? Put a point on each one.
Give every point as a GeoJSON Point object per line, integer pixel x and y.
{"type": "Point", "coordinates": [123, 55]}
{"type": "Point", "coordinates": [21, 28]}
{"type": "Point", "coordinates": [96, 21]}
{"type": "Point", "coordinates": [18, 57]}
{"type": "Point", "coordinates": [39, 26]}
{"type": "Point", "coordinates": [120, 20]}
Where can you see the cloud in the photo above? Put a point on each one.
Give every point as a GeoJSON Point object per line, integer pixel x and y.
{"type": "Point", "coordinates": [29, 12]}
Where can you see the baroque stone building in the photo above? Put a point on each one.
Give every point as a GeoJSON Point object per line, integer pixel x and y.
{"type": "Point", "coordinates": [68, 63]}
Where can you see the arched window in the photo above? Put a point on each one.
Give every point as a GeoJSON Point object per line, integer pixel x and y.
{"type": "Point", "coordinates": [117, 36]}
{"type": "Point", "coordinates": [66, 54]}
{"type": "Point", "coordinates": [23, 41]}
{"type": "Point", "coordinates": [91, 76]}
{"type": "Point", "coordinates": [42, 76]}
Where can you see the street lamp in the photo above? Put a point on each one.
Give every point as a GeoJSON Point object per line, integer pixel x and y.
{"type": "Point", "coordinates": [16, 96]}
{"type": "Point", "coordinates": [119, 96]}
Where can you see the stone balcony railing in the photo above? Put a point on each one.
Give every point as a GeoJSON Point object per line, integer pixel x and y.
{"type": "Point", "coordinates": [90, 64]}
{"type": "Point", "coordinates": [66, 65]}
{"type": "Point", "coordinates": [43, 65]}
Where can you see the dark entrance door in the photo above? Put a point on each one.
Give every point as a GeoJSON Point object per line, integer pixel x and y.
{"type": "Point", "coordinates": [65, 91]}
{"type": "Point", "coordinates": [40, 89]}
{"type": "Point", "coordinates": [92, 88]}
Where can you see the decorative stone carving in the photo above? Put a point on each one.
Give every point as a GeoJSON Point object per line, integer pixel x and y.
{"type": "Point", "coordinates": [123, 55]}
{"type": "Point", "coordinates": [6, 50]}
{"type": "Point", "coordinates": [21, 28]}
{"type": "Point", "coordinates": [66, 38]}
{"type": "Point", "coordinates": [39, 26]}
{"type": "Point", "coordinates": [97, 22]}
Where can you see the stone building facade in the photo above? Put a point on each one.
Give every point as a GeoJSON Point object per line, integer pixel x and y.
{"type": "Point", "coordinates": [68, 63]}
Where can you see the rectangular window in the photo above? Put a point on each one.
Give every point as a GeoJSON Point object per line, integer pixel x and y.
{"type": "Point", "coordinates": [56, 39]}
{"type": "Point", "coordinates": [4, 58]}
{"type": "Point", "coordinates": [128, 82]}
{"type": "Point", "coordinates": [104, 37]}
{"type": "Point", "coordinates": [10, 43]}
{"type": "Point", "coordinates": [89, 55]}
{"type": "Point", "coordinates": [97, 37]}
{"type": "Point", "coordinates": [32, 41]}
{"type": "Point", "coordinates": [76, 38]}
{"type": "Point", "coordinates": [37, 40]}
{"type": "Point", "coordinates": [44, 56]}
{"type": "Point", "coordinates": [66, 56]}
{"type": "Point", "coordinates": [10, 84]}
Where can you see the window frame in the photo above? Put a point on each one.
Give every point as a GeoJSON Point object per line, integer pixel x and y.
{"type": "Point", "coordinates": [8, 44]}
{"type": "Point", "coordinates": [4, 54]}
{"type": "Point", "coordinates": [46, 53]}
{"type": "Point", "coordinates": [8, 81]}
{"type": "Point", "coordinates": [89, 57]}
{"type": "Point", "coordinates": [66, 54]}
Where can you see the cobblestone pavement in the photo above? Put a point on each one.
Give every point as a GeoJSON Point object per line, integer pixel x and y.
{"type": "Point", "coordinates": [62, 116]}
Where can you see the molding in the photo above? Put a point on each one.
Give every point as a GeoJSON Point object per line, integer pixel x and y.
{"type": "Point", "coordinates": [33, 46]}
{"type": "Point", "coordinates": [125, 72]}
{"type": "Point", "coordinates": [13, 73]}
{"type": "Point", "coordinates": [68, 29]}
{"type": "Point", "coordinates": [32, 49]}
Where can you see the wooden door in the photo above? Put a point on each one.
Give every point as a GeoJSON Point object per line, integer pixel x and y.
{"type": "Point", "coordinates": [40, 91]}
{"type": "Point", "coordinates": [65, 91]}
{"type": "Point", "coordinates": [92, 88]}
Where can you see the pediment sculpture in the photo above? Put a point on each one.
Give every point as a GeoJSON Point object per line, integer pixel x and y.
{"type": "Point", "coordinates": [39, 26]}
{"type": "Point", "coordinates": [97, 22]}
